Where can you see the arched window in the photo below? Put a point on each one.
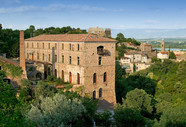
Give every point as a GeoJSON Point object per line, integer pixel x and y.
{"type": "Point", "coordinates": [70, 77]}
{"type": "Point", "coordinates": [100, 92]}
{"type": "Point", "coordinates": [94, 94]}
{"type": "Point", "coordinates": [62, 74]}
{"type": "Point", "coordinates": [78, 47]}
{"type": "Point", "coordinates": [56, 73]}
{"type": "Point", "coordinates": [78, 78]}
{"type": "Point", "coordinates": [94, 78]}
{"type": "Point", "coordinates": [105, 77]}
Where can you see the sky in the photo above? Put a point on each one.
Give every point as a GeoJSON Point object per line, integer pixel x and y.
{"type": "Point", "coordinates": [119, 15]}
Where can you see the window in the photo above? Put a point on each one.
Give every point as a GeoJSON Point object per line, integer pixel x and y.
{"type": "Point", "coordinates": [62, 58]}
{"type": "Point", "coordinates": [70, 61]}
{"type": "Point", "coordinates": [78, 47]}
{"type": "Point", "coordinates": [62, 74]}
{"type": "Point", "coordinates": [37, 45]}
{"type": "Point", "coordinates": [32, 45]}
{"type": "Point", "coordinates": [70, 47]}
{"type": "Point", "coordinates": [43, 57]}
{"type": "Point", "coordinates": [55, 45]}
{"type": "Point", "coordinates": [56, 73]}
{"type": "Point", "coordinates": [27, 56]}
{"type": "Point", "coordinates": [48, 45]}
{"type": "Point", "coordinates": [100, 92]}
{"type": "Point", "coordinates": [38, 56]}
{"type": "Point", "coordinates": [105, 77]}
{"type": "Point", "coordinates": [78, 78]}
{"type": "Point", "coordinates": [94, 78]}
{"type": "Point", "coordinates": [48, 57]}
{"type": "Point", "coordinates": [43, 45]}
{"type": "Point", "coordinates": [70, 77]}
{"type": "Point", "coordinates": [94, 95]}
{"type": "Point", "coordinates": [62, 46]}
{"type": "Point", "coordinates": [78, 61]}
{"type": "Point", "coordinates": [99, 61]}
{"type": "Point", "coordinates": [55, 58]}
{"type": "Point", "coordinates": [27, 45]}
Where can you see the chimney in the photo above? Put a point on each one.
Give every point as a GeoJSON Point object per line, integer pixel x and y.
{"type": "Point", "coordinates": [22, 52]}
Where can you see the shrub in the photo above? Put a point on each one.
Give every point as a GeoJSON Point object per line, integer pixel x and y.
{"type": "Point", "coordinates": [103, 119]}
{"type": "Point", "coordinates": [55, 111]}
{"type": "Point", "coordinates": [51, 78]}
{"type": "Point", "coordinates": [44, 89]}
{"type": "Point", "coordinates": [127, 117]}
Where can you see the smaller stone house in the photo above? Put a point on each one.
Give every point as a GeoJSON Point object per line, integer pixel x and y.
{"type": "Point", "coordinates": [163, 55]}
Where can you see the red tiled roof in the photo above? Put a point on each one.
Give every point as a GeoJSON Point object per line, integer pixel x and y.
{"type": "Point", "coordinates": [131, 44]}
{"type": "Point", "coordinates": [128, 54]}
{"type": "Point", "coordinates": [70, 38]}
{"type": "Point", "coordinates": [164, 52]}
{"type": "Point", "coordinates": [147, 45]}
{"type": "Point", "coordinates": [125, 58]}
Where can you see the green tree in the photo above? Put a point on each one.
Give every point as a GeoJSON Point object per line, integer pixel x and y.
{"type": "Point", "coordinates": [172, 55]}
{"type": "Point", "coordinates": [128, 117]}
{"type": "Point", "coordinates": [10, 111]}
{"type": "Point", "coordinates": [56, 111]}
{"type": "Point", "coordinates": [45, 90]}
{"type": "Point", "coordinates": [120, 38]}
{"type": "Point", "coordinates": [173, 117]}
{"type": "Point", "coordinates": [138, 99]}
{"type": "Point", "coordinates": [119, 71]}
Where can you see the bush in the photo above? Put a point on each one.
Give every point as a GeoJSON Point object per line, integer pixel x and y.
{"type": "Point", "coordinates": [55, 111]}
{"type": "Point", "coordinates": [59, 81]}
{"type": "Point", "coordinates": [44, 89]}
{"type": "Point", "coordinates": [51, 78]}
{"type": "Point", "coordinates": [25, 83]}
{"type": "Point", "coordinates": [127, 117]}
{"type": "Point", "coordinates": [173, 117]}
{"type": "Point", "coordinates": [103, 119]}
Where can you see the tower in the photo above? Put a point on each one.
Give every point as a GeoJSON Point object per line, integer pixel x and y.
{"type": "Point", "coordinates": [22, 63]}
{"type": "Point", "coordinates": [163, 46]}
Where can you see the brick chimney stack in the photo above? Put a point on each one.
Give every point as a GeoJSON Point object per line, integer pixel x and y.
{"type": "Point", "coordinates": [22, 52]}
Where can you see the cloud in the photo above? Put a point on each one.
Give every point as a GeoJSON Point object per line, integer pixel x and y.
{"type": "Point", "coordinates": [9, 2]}
{"type": "Point", "coordinates": [58, 7]}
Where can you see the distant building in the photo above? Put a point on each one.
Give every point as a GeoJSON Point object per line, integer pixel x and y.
{"type": "Point", "coordinates": [162, 46]}
{"type": "Point", "coordinates": [100, 31]}
{"type": "Point", "coordinates": [146, 47]}
{"type": "Point", "coordinates": [181, 57]}
{"type": "Point", "coordinates": [163, 55]}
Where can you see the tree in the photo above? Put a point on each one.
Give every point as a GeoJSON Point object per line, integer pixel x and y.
{"type": "Point", "coordinates": [45, 90]}
{"type": "Point", "coordinates": [138, 99]}
{"type": "Point", "coordinates": [128, 117]}
{"type": "Point", "coordinates": [55, 111]}
{"type": "Point", "coordinates": [119, 71]}
{"type": "Point", "coordinates": [172, 55]}
{"type": "Point", "coordinates": [173, 117]}
{"type": "Point", "coordinates": [120, 38]}
{"type": "Point", "coordinates": [10, 111]}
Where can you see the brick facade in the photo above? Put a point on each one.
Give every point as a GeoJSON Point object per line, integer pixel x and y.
{"type": "Point", "coordinates": [77, 61]}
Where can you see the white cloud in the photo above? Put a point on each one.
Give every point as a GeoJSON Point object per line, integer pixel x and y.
{"type": "Point", "coordinates": [9, 2]}
{"type": "Point", "coordinates": [58, 7]}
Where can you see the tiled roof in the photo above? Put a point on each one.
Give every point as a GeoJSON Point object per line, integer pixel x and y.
{"type": "Point", "coordinates": [125, 58]}
{"type": "Point", "coordinates": [71, 38]}
{"type": "Point", "coordinates": [147, 45]}
{"type": "Point", "coordinates": [164, 52]}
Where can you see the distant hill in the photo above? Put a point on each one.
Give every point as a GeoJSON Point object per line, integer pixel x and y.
{"type": "Point", "coordinates": [151, 33]}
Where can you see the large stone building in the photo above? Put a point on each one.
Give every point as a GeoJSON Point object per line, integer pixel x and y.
{"type": "Point", "coordinates": [81, 59]}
